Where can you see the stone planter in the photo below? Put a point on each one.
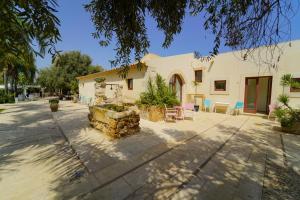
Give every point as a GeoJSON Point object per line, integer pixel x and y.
{"type": "Point", "coordinates": [295, 129]}
{"type": "Point", "coordinates": [153, 113]}
{"type": "Point", "coordinates": [113, 123]}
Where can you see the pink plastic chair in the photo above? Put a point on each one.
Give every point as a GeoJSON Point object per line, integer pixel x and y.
{"type": "Point", "coordinates": [272, 108]}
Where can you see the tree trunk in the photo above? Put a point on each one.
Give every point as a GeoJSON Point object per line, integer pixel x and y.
{"type": "Point", "coordinates": [5, 80]}
{"type": "Point", "coordinates": [16, 87]}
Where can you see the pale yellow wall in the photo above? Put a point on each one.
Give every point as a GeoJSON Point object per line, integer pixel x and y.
{"type": "Point", "coordinates": [225, 66]}
{"type": "Point", "coordinates": [230, 67]}
{"type": "Point", "coordinates": [87, 87]}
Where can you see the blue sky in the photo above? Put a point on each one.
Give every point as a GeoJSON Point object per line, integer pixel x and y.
{"type": "Point", "coordinates": [76, 28]}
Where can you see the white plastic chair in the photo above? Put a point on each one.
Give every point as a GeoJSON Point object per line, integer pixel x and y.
{"type": "Point", "coordinates": [189, 110]}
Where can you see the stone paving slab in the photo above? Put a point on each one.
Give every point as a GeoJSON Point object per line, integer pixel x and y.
{"type": "Point", "coordinates": [35, 162]}
{"type": "Point", "coordinates": [215, 156]}
{"type": "Point", "coordinates": [292, 148]}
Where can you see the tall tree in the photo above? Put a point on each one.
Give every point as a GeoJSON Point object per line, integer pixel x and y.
{"type": "Point", "coordinates": [238, 23]}
{"type": "Point", "coordinates": [64, 70]}
{"type": "Point", "coordinates": [13, 65]}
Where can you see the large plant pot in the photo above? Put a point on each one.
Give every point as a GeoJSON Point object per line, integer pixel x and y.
{"type": "Point", "coordinates": [294, 129]}
{"type": "Point", "coordinates": [75, 99]}
{"type": "Point", "coordinates": [54, 107]}
{"type": "Point", "coordinates": [152, 113]}
{"type": "Point", "coordinates": [156, 113]}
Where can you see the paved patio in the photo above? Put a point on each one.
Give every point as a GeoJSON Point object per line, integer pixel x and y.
{"type": "Point", "coordinates": [216, 156]}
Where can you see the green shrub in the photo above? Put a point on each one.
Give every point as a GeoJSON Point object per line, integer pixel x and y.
{"type": "Point", "coordinates": [6, 97]}
{"type": "Point", "coordinates": [285, 113]}
{"type": "Point", "coordinates": [285, 116]}
{"type": "Point", "coordinates": [100, 79]}
{"type": "Point", "coordinates": [114, 107]}
{"type": "Point", "coordinates": [158, 94]}
{"type": "Point", "coordinates": [53, 101]}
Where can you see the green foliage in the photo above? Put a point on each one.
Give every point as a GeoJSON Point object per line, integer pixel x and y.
{"type": "Point", "coordinates": [100, 79]}
{"type": "Point", "coordinates": [62, 74]}
{"type": "Point", "coordinates": [53, 101]}
{"type": "Point", "coordinates": [6, 97]}
{"type": "Point", "coordinates": [18, 67]}
{"type": "Point", "coordinates": [285, 113]}
{"type": "Point", "coordinates": [26, 22]}
{"type": "Point", "coordinates": [287, 117]}
{"type": "Point", "coordinates": [114, 107]}
{"type": "Point", "coordinates": [233, 22]}
{"type": "Point", "coordinates": [158, 94]}
{"type": "Point", "coordinates": [286, 80]}
{"type": "Point", "coordinates": [284, 99]}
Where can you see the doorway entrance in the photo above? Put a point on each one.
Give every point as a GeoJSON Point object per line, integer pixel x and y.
{"type": "Point", "coordinates": [175, 84]}
{"type": "Point", "coordinates": [258, 94]}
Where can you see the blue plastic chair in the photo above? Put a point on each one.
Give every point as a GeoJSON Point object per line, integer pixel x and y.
{"type": "Point", "coordinates": [207, 104]}
{"type": "Point", "coordinates": [239, 105]}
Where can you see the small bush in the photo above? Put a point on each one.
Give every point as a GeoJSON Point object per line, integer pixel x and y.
{"type": "Point", "coordinates": [6, 97]}
{"type": "Point", "coordinates": [285, 116]}
{"type": "Point", "coordinates": [114, 107]}
{"type": "Point", "coordinates": [53, 101]}
{"type": "Point", "coordinates": [100, 79]}
{"type": "Point", "coordinates": [158, 94]}
{"type": "Point", "coordinates": [285, 113]}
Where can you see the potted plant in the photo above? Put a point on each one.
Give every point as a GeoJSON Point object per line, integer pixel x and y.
{"type": "Point", "coordinates": [75, 98]}
{"type": "Point", "coordinates": [196, 106]}
{"type": "Point", "coordinates": [157, 96]}
{"type": "Point", "coordinates": [53, 104]}
{"type": "Point", "coordinates": [288, 117]}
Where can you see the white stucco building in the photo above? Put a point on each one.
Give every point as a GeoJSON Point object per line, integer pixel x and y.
{"type": "Point", "coordinates": [225, 78]}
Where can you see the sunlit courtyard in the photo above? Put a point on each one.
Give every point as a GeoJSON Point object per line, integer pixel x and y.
{"type": "Point", "coordinates": [58, 155]}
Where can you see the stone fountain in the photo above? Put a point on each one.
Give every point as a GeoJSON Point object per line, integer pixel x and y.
{"type": "Point", "coordinates": [116, 118]}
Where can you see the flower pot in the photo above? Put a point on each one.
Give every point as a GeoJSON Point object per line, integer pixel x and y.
{"type": "Point", "coordinates": [156, 113]}
{"type": "Point", "coordinates": [54, 107]}
{"type": "Point", "coordinates": [196, 108]}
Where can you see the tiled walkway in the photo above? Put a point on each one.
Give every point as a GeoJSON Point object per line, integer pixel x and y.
{"type": "Point", "coordinates": [216, 156]}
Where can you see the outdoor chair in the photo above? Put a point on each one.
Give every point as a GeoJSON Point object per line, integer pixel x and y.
{"type": "Point", "coordinates": [272, 108]}
{"type": "Point", "coordinates": [207, 104]}
{"type": "Point", "coordinates": [170, 114]}
{"type": "Point", "coordinates": [180, 112]}
{"type": "Point", "coordinates": [238, 106]}
{"type": "Point", "coordinates": [188, 110]}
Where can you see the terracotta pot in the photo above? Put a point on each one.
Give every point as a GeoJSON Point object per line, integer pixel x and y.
{"type": "Point", "coordinates": [54, 107]}
{"type": "Point", "coordinates": [156, 113]}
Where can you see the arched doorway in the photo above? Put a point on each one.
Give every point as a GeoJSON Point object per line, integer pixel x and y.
{"type": "Point", "coordinates": [175, 84]}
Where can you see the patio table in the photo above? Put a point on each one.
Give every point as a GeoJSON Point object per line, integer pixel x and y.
{"type": "Point", "coordinates": [221, 104]}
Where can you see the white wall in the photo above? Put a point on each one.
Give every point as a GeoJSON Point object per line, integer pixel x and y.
{"type": "Point", "coordinates": [226, 66]}
{"type": "Point", "coordinates": [87, 86]}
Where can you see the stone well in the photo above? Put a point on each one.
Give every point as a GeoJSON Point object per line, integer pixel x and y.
{"type": "Point", "coordinates": [115, 124]}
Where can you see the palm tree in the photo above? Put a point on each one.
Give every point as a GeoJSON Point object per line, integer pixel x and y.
{"type": "Point", "coordinates": [13, 65]}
